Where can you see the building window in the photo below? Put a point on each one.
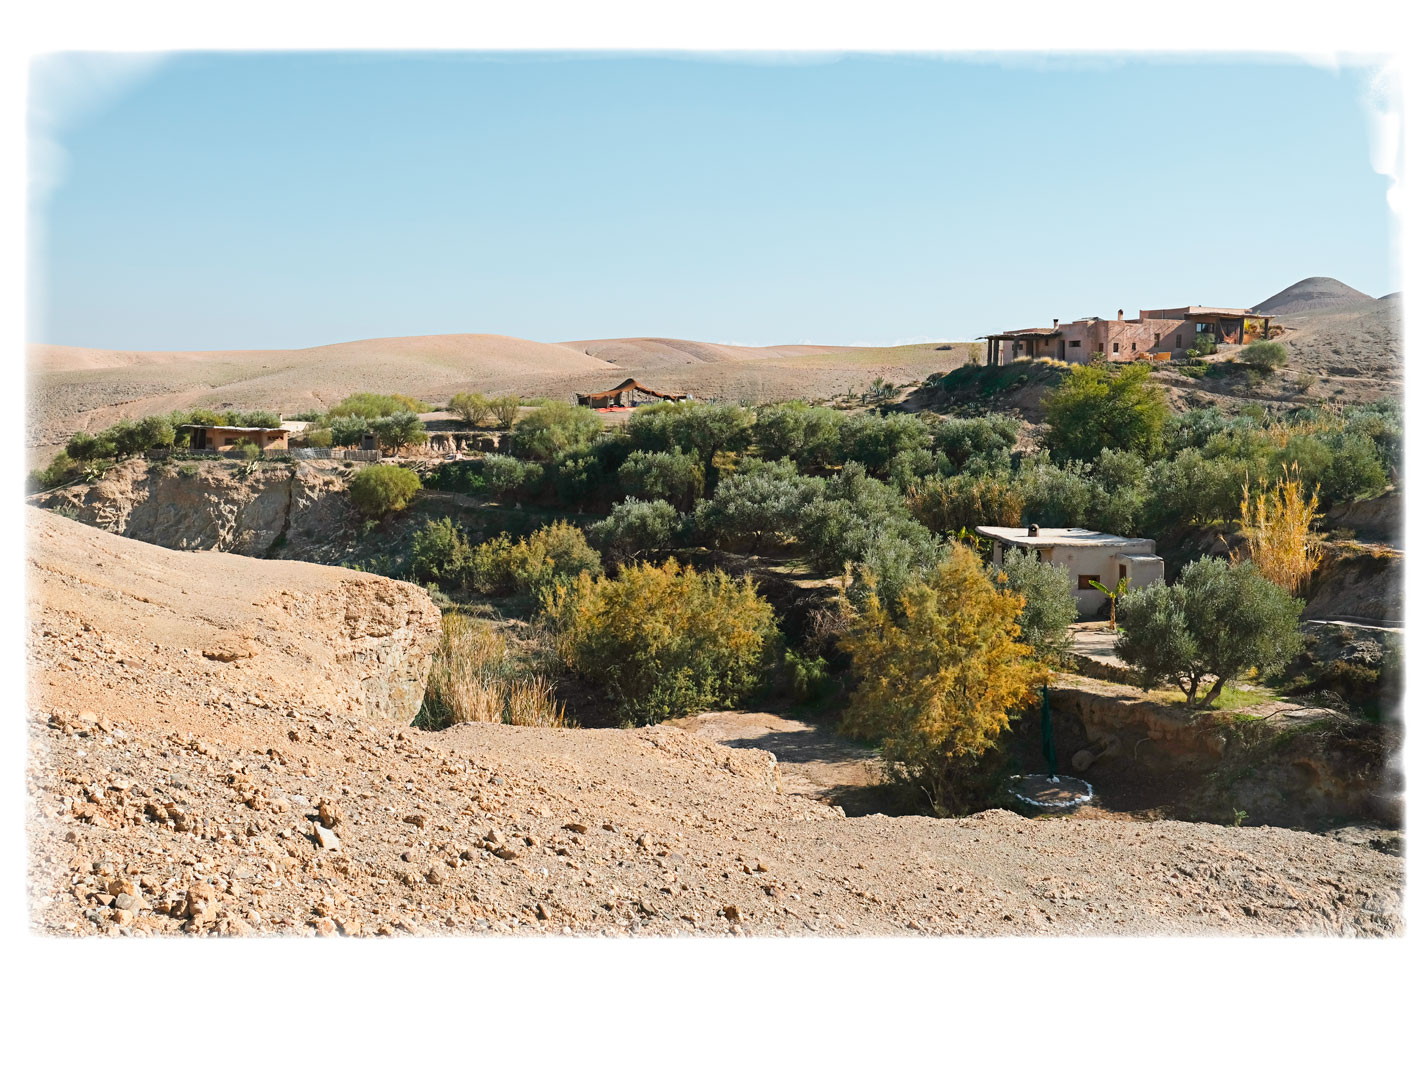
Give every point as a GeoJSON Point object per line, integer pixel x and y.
{"type": "Point", "coordinates": [1179, 340]}
{"type": "Point", "coordinates": [1083, 583]}
{"type": "Point", "coordinates": [1201, 327]}
{"type": "Point", "coordinates": [1075, 344]}
{"type": "Point", "coordinates": [1115, 348]}
{"type": "Point", "coordinates": [1133, 346]}
{"type": "Point", "coordinates": [1156, 338]}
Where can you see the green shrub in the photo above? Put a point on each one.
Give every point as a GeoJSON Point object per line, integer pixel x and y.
{"type": "Point", "coordinates": [665, 641]}
{"type": "Point", "coordinates": [380, 489]}
{"type": "Point", "coordinates": [984, 442]}
{"type": "Point", "coordinates": [700, 430]}
{"type": "Point", "coordinates": [373, 406]}
{"type": "Point", "coordinates": [806, 679]}
{"type": "Point", "coordinates": [349, 430]}
{"type": "Point", "coordinates": [1217, 620]}
{"type": "Point", "coordinates": [556, 551]}
{"type": "Point", "coordinates": [506, 476]}
{"type": "Point", "coordinates": [635, 529]}
{"type": "Point", "coordinates": [1193, 489]}
{"type": "Point", "coordinates": [589, 478]}
{"type": "Point", "coordinates": [59, 471]}
{"type": "Point", "coordinates": [947, 505]}
{"type": "Point", "coordinates": [556, 427]}
{"type": "Point", "coordinates": [672, 476]}
{"type": "Point", "coordinates": [1106, 407]}
{"type": "Point", "coordinates": [810, 436]}
{"type": "Point", "coordinates": [762, 501]}
{"type": "Point", "coordinates": [505, 411]}
{"type": "Point", "coordinates": [473, 408]}
{"type": "Point", "coordinates": [399, 429]}
{"type": "Point", "coordinates": [1050, 606]}
{"type": "Point", "coordinates": [1205, 344]}
{"type": "Point", "coordinates": [1264, 355]}
{"type": "Point", "coordinates": [1355, 469]}
{"type": "Point", "coordinates": [318, 438]}
{"type": "Point", "coordinates": [82, 447]}
{"type": "Point", "coordinates": [1055, 495]}
{"type": "Point", "coordinates": [859, 520]}
{"type": "Point", "coordinates": [440, 553]}
{"type": "Point", "coordinates": [874, 440]}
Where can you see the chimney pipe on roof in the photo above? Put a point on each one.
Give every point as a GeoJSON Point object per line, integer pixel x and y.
{"type": "Point", "coordinates": [1032, 530]}
{"type": "Point", "coordinates": [1055, 322]}
{"type": "Point", "coordinates": [1120, 315]}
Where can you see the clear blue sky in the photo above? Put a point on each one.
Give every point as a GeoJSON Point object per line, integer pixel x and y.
{"type": "Point", "coordinates": [289, 200]}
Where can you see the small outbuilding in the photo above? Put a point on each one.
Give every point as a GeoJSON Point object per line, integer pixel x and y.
{"type": "Point", "coordinates": [1089, 556]}
{"type": "Point", "coordinates": [229, 437]}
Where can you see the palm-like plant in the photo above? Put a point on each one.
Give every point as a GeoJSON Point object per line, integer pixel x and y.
{"type": "Point", "coordinates": [1113, 593]}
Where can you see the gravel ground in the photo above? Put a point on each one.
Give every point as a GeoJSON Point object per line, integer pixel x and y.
{"type": "Point", "coordinates": [247, 786]}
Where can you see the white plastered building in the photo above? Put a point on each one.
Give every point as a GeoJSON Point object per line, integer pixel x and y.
{"type": "Point", "coordinates": [1087, 555]}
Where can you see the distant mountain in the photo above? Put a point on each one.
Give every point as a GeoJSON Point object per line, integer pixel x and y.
{"type": "Point", "coordinates": [1312, 293]}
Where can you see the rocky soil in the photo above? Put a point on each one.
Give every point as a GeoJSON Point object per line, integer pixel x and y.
{"type": "Point", "coordinates": [221, 746]}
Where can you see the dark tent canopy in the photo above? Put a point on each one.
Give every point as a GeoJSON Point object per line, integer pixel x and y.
{"type": "Point", "coordinates": [613, 397]}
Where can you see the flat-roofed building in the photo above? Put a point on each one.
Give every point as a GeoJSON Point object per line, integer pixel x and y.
{"type": "Point", "coordinates": [229, 437]}
{"type": "Point", "coordinates": [1156, 334]}
{"type": "Point", "coordinates": [1089, 556]}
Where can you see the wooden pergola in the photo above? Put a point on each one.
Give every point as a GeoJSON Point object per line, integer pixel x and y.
{"type": "Point", "coordinates": [1037, 344]}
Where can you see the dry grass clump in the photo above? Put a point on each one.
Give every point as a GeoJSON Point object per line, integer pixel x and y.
{"type": "Point", "coordinates": [1278, 526]}
{"type": "Point", "coordinates": [476, 677]}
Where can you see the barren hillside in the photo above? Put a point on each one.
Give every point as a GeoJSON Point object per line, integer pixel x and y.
{"type": "Point", "coordinates": [1312, 294]}
{"type": "Point", "coordinates": [649, 353]}
{"type": "Point", "coordinates": [87, 389]}
{"type": "Point", "coordinates": [220, 745]}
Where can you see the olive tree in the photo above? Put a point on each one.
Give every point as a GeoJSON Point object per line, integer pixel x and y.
{"type": "Point", "coordinates": [672, 476]}
{"type": "Point", "coordinates": [757, 503]}
{"type": "Point", "coordinates": [1049, 608]}
{"type": "Point", "coordinates": [636, 528]}
{"type": "Point", "coordinates": [1218, 620]}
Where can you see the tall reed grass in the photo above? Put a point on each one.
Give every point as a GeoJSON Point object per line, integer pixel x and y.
{"type": "Point", "coordinates": [476, 677]}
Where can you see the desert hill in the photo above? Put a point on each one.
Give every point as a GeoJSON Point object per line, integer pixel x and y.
{"type": "Point", "coordinates": [649, 353]}
{"type": "Point", "coordinates": [1313, 294]}
{"type": "Point", "coordinates": [220, 745]}
{"type": "Point", "coordinates": [87, 388]}
{"type": "Point", "coordinates": [481, 353]}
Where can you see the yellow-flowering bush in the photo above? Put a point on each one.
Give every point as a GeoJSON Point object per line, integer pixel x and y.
{"type": "Point", "coordinates": [665, 641]}
{"type": "Point", "coordinates": [549, 553]}
{"type": "Point", "coordinates": [939, 677]}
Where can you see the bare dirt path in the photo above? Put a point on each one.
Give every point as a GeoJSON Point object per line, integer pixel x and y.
{"type": "Point", "coordinates": [814, 761]}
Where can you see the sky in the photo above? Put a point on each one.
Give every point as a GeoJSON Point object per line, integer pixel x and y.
{"type": "Point", "coordinates": [284, 200]}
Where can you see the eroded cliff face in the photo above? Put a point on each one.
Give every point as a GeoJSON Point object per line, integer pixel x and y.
{"type": "Point", "coordinates": [1289, 765]}
{"type": "Point", "coordinates": [124, 627]}
{"type": "Point", "coordinates": [291, 510]}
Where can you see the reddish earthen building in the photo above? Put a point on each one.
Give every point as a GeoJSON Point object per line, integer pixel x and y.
{"type": "Point", "coordinates": [1156, 334]}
